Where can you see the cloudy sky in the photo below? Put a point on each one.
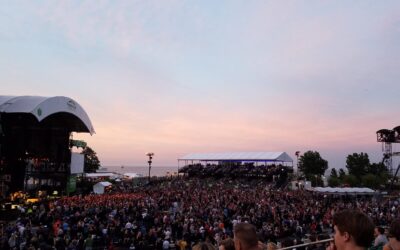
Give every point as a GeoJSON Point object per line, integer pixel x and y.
{"type": "Point", "coordinates": [176, 77]}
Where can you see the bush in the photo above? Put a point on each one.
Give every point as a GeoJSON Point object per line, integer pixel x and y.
{"type": "Point", "coordinates": [334, 182]}
{"type": "Point", "coordinates": [351, 180]}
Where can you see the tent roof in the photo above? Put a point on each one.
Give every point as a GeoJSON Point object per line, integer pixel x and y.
{"type": "Point", "coordinates": [104, 183]}
{"type": "Point", "coordinates": [42, 107]}
{"type": "Point", "coordinates": [239, 156]}
{"type": "Point", "coordinates": [94, 175]}
{"type": "Point", "coordinates": [346, 190]}
{"type": "Point", "coordinates": [132, 175]}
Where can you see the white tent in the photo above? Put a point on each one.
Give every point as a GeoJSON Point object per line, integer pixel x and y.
{"type": "Point", "coordinates": [131, 175]}
{"type": "Point", "coordinates": [99, 188]}
{"type": "Point", "coordinates": [239, 156]}
{"type": "Point", "coordinates": [110, 175]}
{"type": "Point", "coordinates": [346, 190]}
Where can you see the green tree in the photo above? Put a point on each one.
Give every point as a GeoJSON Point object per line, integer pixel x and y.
{"type": "Point", "coordinates": [316, 180]}
{"type": "Point", "coordinates": [371, 181]}
{"type": "Point", "coordinates": [311, 164]}
{"type": "Point", "coordinates": [351, 180]}
{"type": "Point", "coordinates": [334, 181]}
{"type": "Point", "coordinates": [358, 164]}
{"type": "Point", "coordinates": [381, 174]}
{"type": "Point", "coordinates": [383, 179]}
{"type": "Point", "coordinates": [334, 173]}
{"type": "Point", "coordinates": [377, 169]}
{"type": "Point", "coordinates": [342, 174]}
{"type": "Point", "coordinates": [92, 162]}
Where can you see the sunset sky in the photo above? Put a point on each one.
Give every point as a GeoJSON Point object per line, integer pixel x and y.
{"type": "Point", "coordinates": [175, 77]}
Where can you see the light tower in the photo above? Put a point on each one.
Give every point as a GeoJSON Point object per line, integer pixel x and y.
{"type": "Point", "coordinates": [297, 162]}
{"type": "Point", "coordinates": [387, 137]}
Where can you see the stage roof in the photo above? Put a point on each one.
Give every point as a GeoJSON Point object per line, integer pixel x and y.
{"type": "Point", "coordinates": [42, 107]}
{"type": "Point", "coordinates": [239, 156]}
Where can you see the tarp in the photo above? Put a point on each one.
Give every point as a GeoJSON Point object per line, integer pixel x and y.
{"type": "Point", "coordinates": [346, 190]}
{"type": "Point", "coordinates": [42, 107]}
{"type": "Point", "coordinates": [239, 156]}
{"type": "Point", "coordinates": [98, 188]}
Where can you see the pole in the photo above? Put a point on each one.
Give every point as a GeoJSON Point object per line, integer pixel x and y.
{"type": "Point", "coordinates": [297, 162]}
{"type": "Point", "coordinates": [150, 155]}
{"type": "Point", "coordinates": [149, 169]}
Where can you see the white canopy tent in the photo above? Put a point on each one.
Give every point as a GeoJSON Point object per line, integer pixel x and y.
{"type": "Point", "coordinates": [131, 175]}
{"type": "Point", "coordinates": [281, 157]}
{"type": "Point", "coordinates": [343, 191]}
{"type": "Point", "coordinates": [99, 187]}
{"type": "Point", "coordinates": [42, 107]}
{"type": "Point", "coordinates": [110, 175]}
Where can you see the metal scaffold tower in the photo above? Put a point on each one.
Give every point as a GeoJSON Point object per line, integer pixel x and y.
{"type": "Point", "coordinates": [387, 137]}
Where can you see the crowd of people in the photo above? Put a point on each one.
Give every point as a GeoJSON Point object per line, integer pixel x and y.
{"type": "Point", "coordinates": [181, 212]}
{"type": "Point", "coordinates": [269, 173]}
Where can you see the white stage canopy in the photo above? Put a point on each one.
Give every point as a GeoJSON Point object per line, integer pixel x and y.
{"type": "Point", "coordinates": [42, 107]}
{"type": "Point", "coordinates": [346, 190]}
{"type": "Point", "coordinates": [239, 156]}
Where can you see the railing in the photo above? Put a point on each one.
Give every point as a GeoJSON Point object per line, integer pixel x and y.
{"type": "Point", "coordinates": [307, 244]}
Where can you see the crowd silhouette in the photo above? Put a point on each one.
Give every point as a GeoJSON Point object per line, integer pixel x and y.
{"type": "Point", "coordinates": [180, 212]}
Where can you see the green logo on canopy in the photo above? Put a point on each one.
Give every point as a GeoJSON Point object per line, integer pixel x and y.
{"type": "Point", "coordinates": [39, 112]}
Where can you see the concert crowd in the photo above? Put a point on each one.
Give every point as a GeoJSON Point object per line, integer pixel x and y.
{"type": "Point", "coordinates": [176, 213]}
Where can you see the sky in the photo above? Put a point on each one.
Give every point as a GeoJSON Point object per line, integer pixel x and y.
{"type": "Point", "coordinates": [177, 77]}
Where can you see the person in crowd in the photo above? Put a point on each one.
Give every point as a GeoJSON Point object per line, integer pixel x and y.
{"type": "Point", "coordinates": [353, 229]}
{"type": "Point", "coordinates": [287, 243]}
{"type": "Point", "coordinates": [380, 237]}
{"type": "Point", "coordinates": [165, 244]}
{"type": "Point", "coordinates": [203, 246]}
{"type": "Point", "coordinates": [245, 237]}
{"type": "Point", "coordinates": [394, 236]}
{"type": "Point", "coordinates": [322, 245]}
{"type": "Point", "coordinates": [182, 244]}
{"type": "Point", "coordinates": [272, 246]}
{"type": "Point", "coordinates": [227, 244]}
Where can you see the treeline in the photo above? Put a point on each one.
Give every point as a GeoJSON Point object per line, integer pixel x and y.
{"type": "Point", "coordinates": [360, 171]}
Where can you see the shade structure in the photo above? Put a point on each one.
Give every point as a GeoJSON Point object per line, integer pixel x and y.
{"type": "Point", "coordinates": [344, 190]}
{"type": "Point", "coordinates": [132, 175]}
{"type": "Point", "coordinates": [42, 107]}
{"type": "Point", "coordinates": [239, 156]}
